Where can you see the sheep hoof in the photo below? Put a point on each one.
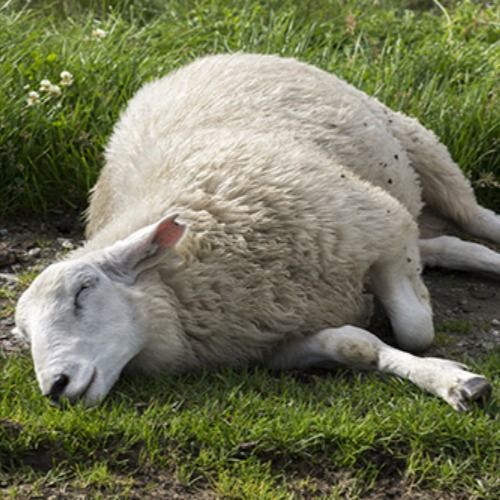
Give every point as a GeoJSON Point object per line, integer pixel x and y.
{"type": "Point", "coordinates": [477, 388]}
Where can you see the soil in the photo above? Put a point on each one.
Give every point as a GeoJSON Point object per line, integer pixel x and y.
{"type": "Point", "coordinates": [26, 247]}
{"type": "Point", "coordinates": [466, 312]}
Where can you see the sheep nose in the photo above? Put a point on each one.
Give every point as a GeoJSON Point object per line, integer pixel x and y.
{"type": "Point", "coordinates": [58, 386]}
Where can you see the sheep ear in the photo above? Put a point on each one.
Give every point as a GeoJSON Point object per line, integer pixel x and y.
{"type": "Point", "coordinates": [127, 258]}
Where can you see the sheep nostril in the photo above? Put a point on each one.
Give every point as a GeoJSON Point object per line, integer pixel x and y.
{"type": "Point", "coordinates": [58, 386]}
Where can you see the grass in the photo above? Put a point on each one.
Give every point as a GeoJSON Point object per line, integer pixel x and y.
{"type": "Point", "coordinates": [10, 292]}
{"type": "Point", "coordinates": [452, 326]}
{"type": "Point", "coordinates": [436, 61]}
{"type": "Point", "coordinates": [249, 434]}
{"type": "Point", "coordinates": [456, 326]}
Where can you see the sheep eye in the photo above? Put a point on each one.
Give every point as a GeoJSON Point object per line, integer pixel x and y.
{"type": "Point", "coordinates": [78, 296]}
{"type": "Point", "coordinates": [86, 283]}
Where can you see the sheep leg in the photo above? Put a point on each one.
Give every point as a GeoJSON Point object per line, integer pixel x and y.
{"type": "Point", "coordinates": [446, 191]}
{"type": "Point", "coordinates": [396, 282]}
{"type": "Point", "coordinates": [482, 223]}
{"type": "Point", "coordinates": [358, 348]}
{"type": "Point", "coordinates": [453, 253]}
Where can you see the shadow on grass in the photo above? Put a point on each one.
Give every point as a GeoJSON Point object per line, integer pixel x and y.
{"type": "Point", "coordinates": [317, 427]}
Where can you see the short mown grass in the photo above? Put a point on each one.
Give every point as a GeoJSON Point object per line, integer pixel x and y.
{"type": "Point", "coordinates": [239, 434]}
{"type": "Point", "coordinates": [248, 434]}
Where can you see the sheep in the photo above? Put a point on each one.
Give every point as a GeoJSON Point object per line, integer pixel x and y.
{"type": "Point", "coordinates": [246, 203]}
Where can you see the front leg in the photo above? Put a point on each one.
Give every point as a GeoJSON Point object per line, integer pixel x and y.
{"type": "Point", "coordinates": [358, 348]}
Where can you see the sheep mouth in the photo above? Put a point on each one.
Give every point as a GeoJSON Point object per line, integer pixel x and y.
{"type": "Point", "coordinates": [86, 389]}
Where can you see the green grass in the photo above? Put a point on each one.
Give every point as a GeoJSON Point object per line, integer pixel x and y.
{"type": "Point", "coordinates": [250, 434]}
{"type": "Point", "coordinates": [456, 326]}
{"type": "Point", "coordinates": [436, 61]}
{"type": "Point", "coordinates": [447, 330]}
{"type": "Point", "coordinates": [10, 293]}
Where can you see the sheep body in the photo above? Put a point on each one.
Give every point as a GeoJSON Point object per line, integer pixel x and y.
{"type": "Point", "coordinates": [262, 169]}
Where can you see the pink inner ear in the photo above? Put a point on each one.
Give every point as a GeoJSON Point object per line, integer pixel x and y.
{"type": "Point", "coordinates": [168, 233]}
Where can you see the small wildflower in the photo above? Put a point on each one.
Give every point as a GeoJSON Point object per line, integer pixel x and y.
{"type": "Point", "coordinates": [33, 98]}
{"type": "Point", "coordinates": [66, 79]}
{"type": "Point", "coordinates": [487, 180]}
{"type": "Point", "coordinates": [54, 90]}
{"type": "Point", "coordinates": [351, 23]}
{"type": "Point", "coordinates": [45, 85]}
{"type": "Point", "coordinates": [99, 34]}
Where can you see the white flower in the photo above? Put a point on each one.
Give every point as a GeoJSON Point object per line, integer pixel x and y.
{"type": "Point", "coordinates": [66, 79]}
{"type": "Point", "coordinates": [33, 98]}
{"type": "Point", "coordinates": [54, 90]}
{"type": "Point", "coordinates": [99, 34]}
{"type": "Point", "coordinates": [45, 85]}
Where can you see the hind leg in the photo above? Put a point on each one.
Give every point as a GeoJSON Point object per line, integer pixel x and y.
{"type": "Point", "coordinates": [482, 223]}
{"type": "Point", "coordinates": [359, 348]}
{"type": "Point", "coordinates": [446, 190]}
{"type": "Point", "coordinates": [453, 253]}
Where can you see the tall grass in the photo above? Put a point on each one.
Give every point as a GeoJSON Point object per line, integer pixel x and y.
{"type": "Point", "coordinates": [436, 61]}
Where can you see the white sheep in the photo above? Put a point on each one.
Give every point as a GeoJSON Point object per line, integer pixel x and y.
{"type": "Point", "coordinates": [245, 203]}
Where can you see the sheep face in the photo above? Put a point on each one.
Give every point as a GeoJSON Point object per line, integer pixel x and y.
{"type": "Point", "coordinates": [80, 319]}
{"type": "Point", "coordinates": [81, 329]}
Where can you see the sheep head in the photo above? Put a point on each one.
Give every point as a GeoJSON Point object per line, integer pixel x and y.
{"type": "Point", "coordinates": [79, 315]}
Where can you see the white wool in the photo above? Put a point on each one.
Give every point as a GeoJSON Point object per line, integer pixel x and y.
{"type": "Point", "coordinates": [254, 94]}
{"type": "Point", "coordinates": [258, 155]}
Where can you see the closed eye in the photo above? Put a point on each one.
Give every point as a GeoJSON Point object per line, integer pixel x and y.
{"type": "Point", "coordinates": [87, 281]}
{"type": "Point", "coordinates": [79, 296]}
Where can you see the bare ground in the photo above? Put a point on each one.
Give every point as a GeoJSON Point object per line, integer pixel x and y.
{"type": "Point", "coordinates": [467, 318]}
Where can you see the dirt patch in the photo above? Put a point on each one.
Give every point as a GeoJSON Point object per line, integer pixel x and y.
{"type": "Point", "coordinates": [26, 247]}
{"type": "Point", "coordinates": [466, 314]}
{"type": "Point", "coordinates": [144, 487]}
